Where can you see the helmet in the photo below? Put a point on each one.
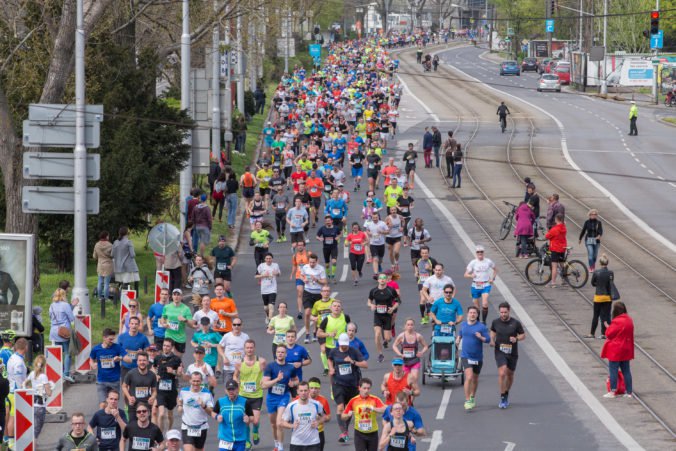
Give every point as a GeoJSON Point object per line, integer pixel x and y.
{"type": "Point", "coordinates": [8, 335]}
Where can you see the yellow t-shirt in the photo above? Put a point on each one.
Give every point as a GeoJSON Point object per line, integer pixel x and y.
{"type": "Point", "coordinates": [365, 418]}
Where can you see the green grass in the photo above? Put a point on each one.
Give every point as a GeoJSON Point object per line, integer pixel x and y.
{"type": "Point", "coordinates": [671, 120]}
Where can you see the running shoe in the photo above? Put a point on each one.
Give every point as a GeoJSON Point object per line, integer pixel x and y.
{"type": "Point", "coordinates": [356, 282]}
{"type": "Point", "coordinates": [610, 394]}
{"type": "Point", "coordinates": [314, 338]}
{"type": "Point", "coordinates": [326, 372]}
{"type": "Point", "coordinates": [473, 401]}
{"type": "Point", "coordinates": [307, 339]}
{"type": "Point", "coordinates": [386, 344]}
{"type": "Point", "coordinates": [300, 315]}
{"type": "Point", "coordinates": [506, 402]}
{"type": "Point", "coordinates": [256, 438]}
{"type": "Point", "coordinates": [627, 395]}
{"type": "Point", "coordinates": [381, 358]}
{"type": "Point", "coordinates": [468, 405]}
{"type": "Point", "coordinates": [425, 320]}
{"type": "Point", "coordinates": [247, 445]}
{"type": "Point", "coordinates": [502, 404]}
{"type": "Point", "coordinates": [343, 438]}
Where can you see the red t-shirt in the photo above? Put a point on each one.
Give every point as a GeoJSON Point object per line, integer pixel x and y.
{"type": "Point", "coordinates": [357, 241]}
{"type": "Point", "coordinates": [296, 177]}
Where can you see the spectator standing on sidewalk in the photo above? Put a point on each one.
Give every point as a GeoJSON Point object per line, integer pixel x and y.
{"type": "Point", "coordinates": [103, 254]}
{"type": "Point", "coordinates": [619, 348]}
{"type": "Point", "coordinates": [449, 148]}
{"type": "Point", "coordinates": [427, 147]}
{"type": "Point", "coordinates": [124, 260]}
{"type": "Point", "coordinates": [61, 319]}
{"type": "Point", "coordinates": [436, 145]}
{"type": "Point", "coordinates": [603, 280]}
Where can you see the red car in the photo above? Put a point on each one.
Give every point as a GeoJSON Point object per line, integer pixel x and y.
{"type": "Point", "coordinates": [550, 66]}
{"type": "Point", "coordinates": [562, 69]}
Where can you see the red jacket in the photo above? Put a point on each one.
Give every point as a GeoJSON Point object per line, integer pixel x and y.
{"type": "Point", "coordinates": [557, 238]}
{"type": "Point", "coordinates": [619, 345]}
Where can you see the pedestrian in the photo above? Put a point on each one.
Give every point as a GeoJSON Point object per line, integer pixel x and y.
{"type": "Point", "coordinates": [42, 389]}
{"type": "Point", "coordinates": [218, 196]}
{"type": "Point", "coordinates": [436, 145]}
{"type": "Point", "coordinates": [554, 208]}
{"type": "Point", "coordinates": [78, 439]}
{"type": "Point", "coordinates": [633, 117]}
{"type": "Point", "coordinates": [506, 332]}
{"type": "Point", "coordinates": [557, 245]}
{"type": "Point", "coordinates": [103, 254]}
{"type": "Point", "coordinates": [592, 231]}
{"type": "Point", "coordinates": [619, 349]}
{"type": "Point", "coordinates": [449, 148]}
{"type": "Point", "coordinates": [231, 189]}
{"type": "Point", "coordinates": [259, 97]}
{"type": "Point", "coordinates": [457, 166]}
{"type": "Point", "coordinates": [427, 147]}
{"type": "Point", "coordinates": [524, 228]}
{"type": "Point", "coordinates": [603, 280]}
{"type": "Point", "coordinates": [124, 260]}
{"type": "Point", "coordinates": [60, 331]}
{"type": "Point", "coordinates": [203, 222]}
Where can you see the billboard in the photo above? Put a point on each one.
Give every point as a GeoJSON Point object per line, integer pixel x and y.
{"type": "Point", "coordinates": [636, 72]}
{"type": "Point", "coordinates": [16, 282]}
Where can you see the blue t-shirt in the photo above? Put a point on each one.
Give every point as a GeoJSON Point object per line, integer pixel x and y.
{"type": "Point", "coordinates": [107, 430]}
{"type": "Point", "coordinates": [472, 347]}
{"type": "Point", "coordinates": [232, 428]}
{"type": "Point", "coordinates": [359, 345]}
{"type": "Point", "coordinates": [410, 415]}
{"type": "Point", "coordinates": [329, 234]}
{"type": "Point", "coordinates": [155, 313]}
{"type": "Point", "coordinates": [132, 344]}
{"type": "Point", "coordinates": [281, 388]}
{"type": "Point", "coordinates": [297, 354]}
{"type": "Point", "coordinates": [336, 208]}
{"type": "Point", "coordinates": [108, 369]}
{"type": "Point", "coordinates": [446, 312]}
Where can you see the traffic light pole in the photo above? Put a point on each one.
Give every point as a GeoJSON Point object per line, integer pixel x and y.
{"type": "Point", "coordinates": [604, 83]}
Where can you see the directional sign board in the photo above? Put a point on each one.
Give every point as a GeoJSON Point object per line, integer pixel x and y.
{"type": "Point", "coordinates": [657, 40]}
{"type": "Point", "coordinates": [549, 25]}
{"type": "Point", "coordinates": [315, 50]}
{"type": "Point", "coordinates": [56, 200]}
{"type": "Point", "coordinates": [53, 125]}
{"type": "Point", "coordinates": [57, 166]}
{"type": "Point", "coordinates": [281, 47]}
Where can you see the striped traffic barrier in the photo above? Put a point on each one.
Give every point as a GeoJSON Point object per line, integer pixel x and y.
{"type": "Point", "coordinates": [83, 334]}
{"type": "Point", "coordinates": [24, 425]}
{"type": "Point", "coordinates": [161, 281]}
{"type": "Point", "coordinates": [54, 370]}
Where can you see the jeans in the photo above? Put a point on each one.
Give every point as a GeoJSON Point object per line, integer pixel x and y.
{"type": "Point", "coordinates": [523, 242]}
{"type": "Point", "coordinates": [232, 208]}
{"type": "Point", "coordinates": [195, 239]}
{"type": "Point", "coordinates": [427, 155]}
{"type": "Point", "coordinates": [592, 253]}
{"type": "Point", "coordinates": [40, 413]}
{"type": "Point", "coordinates": [449, 167]}
{"type": "Point", "coordinates": [626, 372]}
{"type": "Point", "coordinates": [65, 345]}
{"type": "Point", "coordinates": [436, 155]}
{"type": "Point", "coordinates": [633, 130]}
{"type": "Point", "coordinates": [103, 287]}
{"type": "Point", "coordinates": [457, 169]}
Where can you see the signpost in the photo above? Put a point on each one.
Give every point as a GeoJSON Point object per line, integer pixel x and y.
{"type": "Point", "coordinates": [657, 40]}
{"type": "Point", "coordinates": [56, 200]}
{"type": "Point", "coordinates": [549, 25]}
{"type": "Point", "coordinates": [57, 166]}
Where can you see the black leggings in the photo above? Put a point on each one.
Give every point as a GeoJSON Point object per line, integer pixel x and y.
{"type": "Point", "coordinates": [357, 261]}
{"type": "Point", "coordinates": [365, 442]}
{"type": "Point", "coordinates": [259, 255]}
{"type": "Point", "coordinates": [602, 312]}
{"type": "Point", "coordinates": [280, 223]}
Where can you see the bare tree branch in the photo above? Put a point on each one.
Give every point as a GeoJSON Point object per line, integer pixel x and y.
{"type": "Point", "coordinates": [135, 16]}
{"type": "Point", "coordinates": [18, 46]}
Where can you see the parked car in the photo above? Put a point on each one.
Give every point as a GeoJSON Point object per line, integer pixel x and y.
{"type": "Point", "coordinates": [529, 64]}
{"type": "Point", "coordinates": [549, 82]}
{"type": "Point", "coordinates": [543, 64]}
{"type": "Point", "coordinates": [562, 69]}
{"type": "Point", "coordinates": [509, 68]}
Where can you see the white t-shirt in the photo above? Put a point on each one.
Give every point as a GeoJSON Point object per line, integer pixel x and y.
{"type": "Point", "coordinates": [482, 270]}
{"type": "Point", "coordinates": [233, 346]}
{"type": "Point", "coordinates": [194, 416]}
{"type": "Point", "coordinates": [377, 233]}
{"type": "Point", "coordinates": [38, 384]}
{"type": "Point", "coordinates": [204, 370]}
{"type": "Point", "coordinates": [317, 272]}
{"type": "Point", "coordinates": [435, 285]}
{"type": "Point", "coordinates": [269, 284]}
{"type": "Point", "coordinates": [416, 236]}
{"type": "Point", "coordinates": [199, 314]}
{"type": "Point", "coordinates": [305, 414]}
{"type": "Point", "coordinates": [16, 371]}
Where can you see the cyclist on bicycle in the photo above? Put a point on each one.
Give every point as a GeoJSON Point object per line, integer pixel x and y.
{"type": "Point", "coordinates": [503, 111]}
{"type": "Point", "coordinates": [557, 245]}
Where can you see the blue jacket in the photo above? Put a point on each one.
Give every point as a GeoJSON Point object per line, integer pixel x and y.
{"type": "Point", "coordinates": [427, 140]}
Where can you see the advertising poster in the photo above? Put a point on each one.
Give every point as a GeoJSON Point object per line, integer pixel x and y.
{"type": "Point", "coordinates": [16, 282]}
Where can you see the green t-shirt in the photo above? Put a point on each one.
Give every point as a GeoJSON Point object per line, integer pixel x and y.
{"type": "Point", "coordinates": [260, 238]}
{"type": "Point", "coordinates": [281, 326]}
{"type": "Point", "coordinates": [176, 328]}
{"type": "Point", "coordinates": [199, 337]}
{"type": "Point", "coordinates": [223, 257]}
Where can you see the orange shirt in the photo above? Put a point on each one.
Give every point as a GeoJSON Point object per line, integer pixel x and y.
{"type": "Point", "coordinates": [387, 172]}
{"type": "Point", "coordinates": [395, 386]}
{"type": "Point", "coordinates": [299, 259]}
{"type": "Point", "coordinates": [315, 186]}
{"type": "Point", "coordinates": [247, 180]}
{"type": "Point", "coordinates": [365, 420]}
{"type": "Point", "coordinates": [227, 305]}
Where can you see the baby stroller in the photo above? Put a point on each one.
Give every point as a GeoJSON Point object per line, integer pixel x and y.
{"type": "Point", "coordinates": [443, 360]}
{"type": "Point", "coordinates": [427, 63]}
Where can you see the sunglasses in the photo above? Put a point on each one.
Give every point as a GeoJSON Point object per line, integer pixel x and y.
{"type": "Point", "coordinates": [141, 411]}
{"type": "Point", "coordinates": [132, 306]}
{"type": "Point", "coordinates": [236, 324]}
{"type": "Point", "coordinates": [448, 292]}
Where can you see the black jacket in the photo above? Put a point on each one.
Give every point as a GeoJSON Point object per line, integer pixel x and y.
{"type": "Point", "coordinates": [592, 228]}
{"type": "Point", "coordinates": [436, 138]}
{"type": "Point", "coordinates": [601, 280]}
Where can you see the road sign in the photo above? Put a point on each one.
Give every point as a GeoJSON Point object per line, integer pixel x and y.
{"type": "Point", "coordinates": [54, 372]}
{"type": "Point", "coordinates": [83, 334]}
{"type": "Point", "coordinates": [57, 200]}
{"type": "Point", "coordinates": [657, 40]}
{"type": "Point", "coordinates": [549, 25]}
{"type": "Point", "coordinates": [510, 32]}
{"type": "Point", "coordinates": [25, 419]}
{"type": "Point", "coordinates": [315, 50]}
{"type": "Point", "coordinates": [50, 135]}
{"type": "Point", "coordinates": [57, 166]}
{"type": "Point", "coordinates": [59, 114]}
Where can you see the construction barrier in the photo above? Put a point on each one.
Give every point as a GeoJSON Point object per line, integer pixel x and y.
{"type": "Point", "coordinates": [125, 297]}
{"type": "Point", "coordinates": [24, 432]}
{"type": "Point", "coordinates": [54, 355]}
{"type": "Point", "coordinates": [83, 334]}
{"type": "Point", "coordinates": [161, 281]}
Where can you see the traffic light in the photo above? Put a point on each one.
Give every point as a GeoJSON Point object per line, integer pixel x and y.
{"type": "Point", "coordinates": [654, 22]}
{"type": "Point", "coordinates": [552, 7]}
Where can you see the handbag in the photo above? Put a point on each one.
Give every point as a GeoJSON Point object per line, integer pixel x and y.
{"type": "Point", "coordinates": [614, 292]}
{"type": "Point", "coordinates": [63, 332]}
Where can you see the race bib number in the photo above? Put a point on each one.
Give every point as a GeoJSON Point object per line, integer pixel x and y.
{"type": "Point", "coordinates": [445, 329]}
{"type": "Point", "coordinates": [382, 309]}
{"type": "Point", "coordinates": [305, 418]}
{"type": "Point", "coordinates": [142, 392]}
{"type": "Point", "coordinates": [472, 362]}
{"type": "Point", "coordinates": [278, 389]}
{"type": "Point", "coordinates": [345, 369]}
{"type": "Point", "coordinates": [222, 444]}
{"type": "Point", "coordinates": [409, 353]}
{"type": "Point", "coordinates": [173, 325]}
{"type": "Point", "coordinates": [194, 432]}
{"type": "Point", "coordinates": [358, 247]}
{"type": "Point", "coordinates": [505, 348]}
{"type": "Point", "coordinates": [249, 387]}
{"type": "Point", "coordinates": [221, 266]}
{"type": "Point", "coordinates": [397, 441]}
{"type": "Point", "coordinates": [328, 240]}
{"type": "Point", "coordinates": [327, 187]}
{"type": "Point", "coordinates": [403, 209]}
{"type": "Point", "coordinates": [365, 425]}
{"type": "Point", "coordinates": [479, 285]}
{"type": "Point", "coordinates": [372, 166]}
{"type": "Point", "coordinates": [423, 277]}
{"type": "Point", "coordinates": [132, 354]}
{"type": "Point", "coordinates": [140, 443]}
{"type": "Point", "coordinates": [108, 433]}
{"type": "Point", "coordinates": [236, 357]}
{"type": "Point", "coordinates": [281, 205]}
{"type": "Point", "coordinates": [280, 338]}
{"type": "Point", "coordinates": [335, 211]}
{"type": "Point", "coordinates": [107, 363]}
{"type": "Point", "coordinates": [164, 385]}
{"type": "Point", "coordinates": [314, 190]}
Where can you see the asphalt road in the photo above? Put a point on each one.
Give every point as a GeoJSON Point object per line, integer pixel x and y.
{"type": "Point", "coordinates": [638, 170]}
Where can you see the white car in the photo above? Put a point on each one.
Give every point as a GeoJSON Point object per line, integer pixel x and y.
{"type": "Point", "coordinates": [549, 82]}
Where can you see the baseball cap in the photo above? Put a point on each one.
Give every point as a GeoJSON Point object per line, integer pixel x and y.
{"type": "Point", "coordinates": [203, 197]}
{"type": "Point", "coordinates": [231, 385]}
{"type": "Point", "coordinates": [633, 103]}
{"type": "Point", "coordinates": [173, 434]}
{"type": "Point", "coordinates": [200, 350]}
{"type": "Point", "coordinates": [397, 361]}
{"type": "Point", "coordinates": [479, 248]}
{"type": "Point", "coordinates": [343, 340]}
{"type": "Point", "coordinates": [177, 290]}
{"type": "Point", "coordinates": [205, 321]}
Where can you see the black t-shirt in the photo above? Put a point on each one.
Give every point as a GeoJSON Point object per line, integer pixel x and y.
{"type": "Point", "coordinates": [142, 438]}
{"type": "Point", "coordinates": [329, 235]}
{"type": "Point", "coordinates": [347, 374]}
{"type": "Point", "coordinates": [276, 181]}
{"type": "Point", "coordinates": [385, 297]}
{"type": "Point", "coordinates": [304, 198]}
{"type": "Point", "coordinates": [223, 255]}
{"type": "Point", "coordinates": [373, 160]}
{"type": "Point", "coordinates": [356, 159]}
{"type": "Point", "coordinates": [108, 432]}
{"type": "Point", "coordinates": [404, 206]}
{"type": "Point", "coordinates": [410, 156]}
{"type": "Point", "coordinates": [167, 381]}
{"type": "Point", "coordinates": [503, 330]}
{"type": "Point", "coordinates": [140, 385]}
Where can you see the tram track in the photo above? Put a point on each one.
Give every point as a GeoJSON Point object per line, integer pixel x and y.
{"type": "Point", "coordinates": [647, 401]}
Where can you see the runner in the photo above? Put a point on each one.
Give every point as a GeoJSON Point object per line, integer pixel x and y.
{"type": "Point", "coordinates": [446, 313]}
{"type": "Point", "coordinates": [194, 401]}
{"type": "Point", "coordinates": [139, 386]}
{"type": "Point", "coordinates": [256, 209]}
{"type": "Point", "coordinates": [249, 375]}
{"type": "Point", "coordinates": [396, 226]}
{"type": "Point", "coordinates": [328, 234]}
{"type": "Point", "coordinates": [226, 260]}
{"type": "Point", "coordinates": [267, 273]}
{"type": "Point", "coordinates": [433, 289]}
{"type": "Point", "coordinates": [175, 316]}
{"type": "Point", "coordinates": [364, 407]}
{"type": "Point", "coordinates": [226, 309]}
{"type": "Point", "coordinates": [320, 310]}
{"type": "Point", "coordinates": [314, 277]}
{"type": "Point", "coordinates": [260, 239]}
{"type": "Point", "coordinates": [373, 162]}
{"type": "Point", "coordinates": [357, 241]}
{"type": "Point", "coordinates": [297, 218]}
{"type": "Point", "coordinates": [416, 237]}
{"type": "Point", "coordinates": [315, 394]}
{"type": "Point", "coordinates": [382, 301]}
{"type": "Point", "coordinates": [300, 258]}
{"type": "Point", "coordinates": [233, 416]}
{"type": "Point", "coordinates": [410, 346]}
{"type": "Point", "coordinates": [330, 327]}
{"type": "Point", "coordinates": [207, 339]}
{"type": "Point", "coordinates": [201, 367]}
{"type": "Point", "coordinates": [278, 377]}
{"type": "Point", "coordinates": [336, 208]}
{"type": "Point", "coordinates": [315, 186]}
{"type": "Point", "coordinates": [398, 433]}
{"type": "Point", "coordinates": [506, 333]}
{"type": "Point", "coordinates": [473, 335]}
{"type": "Point", "coordinates": [108, 423]}
{"type": "Point", "coordinates": [205, 312]}
{"type": "Point", "coordinates": [409, 414]}
{"type": "Point", "coordinates": [303, 416]}
{"type": "Point", "coordinates": [483, 272]}
{"type": "Point", "coordinates": [345, 365]}
{"type": "Point", "coordinates": [376, 231]}
{"type": "Point", "coordinates": [278, 327]}
{"type": "Point", "coordinates": [410, 157]}
{"type": "Point", "coordinates": [154, 315]}
{"type": "Point", "coordinates": [231, 348]}
{"type": "Point", "coordinates": [132, 342]}
{"type": "Point", "coordinates": [169, 367]}
{"type": "Point", "coordinates": [399, 381]}
{"type": "Point", "coordinates": [280, 203]}
{"type": "Point", "coordinates": [106, 358]}
{"type": "Point", "coordinates": [296, 355]}
{"type": "Point", "coordinates": [357, 163]}
{"type": "Point", "coordinates": [355, 342]}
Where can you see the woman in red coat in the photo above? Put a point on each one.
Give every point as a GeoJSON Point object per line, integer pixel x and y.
{"type": "Point", "coordinates": [619, 348]}
{"type": "Point", "coordinates": [557, 245]}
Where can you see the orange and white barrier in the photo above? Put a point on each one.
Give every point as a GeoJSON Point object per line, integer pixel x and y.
{"type": "Point", "coordinates": [125, 297]}
{"type": "Point", "coordinates": [54, 355]}
{"type": "Point", "coordinates": [24, 431]}
{"type": "Point", "coordinates": [161, 281]}
{"type": "Point", "coordinates": [83, 334]}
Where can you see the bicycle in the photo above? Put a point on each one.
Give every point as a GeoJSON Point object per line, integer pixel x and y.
{"type": "Point", "coordinates": [508, 222]}
{"type": "Point", "coordinates": [503, 123]}
{"type": "Point", "coordinates": [573, 272]}
{"type": "Point", "coordinates": [540, 228]}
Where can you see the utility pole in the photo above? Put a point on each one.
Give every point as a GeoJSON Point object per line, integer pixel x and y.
{"type": "Point", "coordinates": [604, 84]}
{"type": "Point", "coordinates": [80, 290]}
{"type": "Point", "coordinates": [216, 90]}
{"type": "Point", "coordinates": [227, 93]}
{"type": "Point", "coordinates": [548, 15]}
{"type": "Point", "coordinates": [186, 173]}
{"type": "Point", "coordinates": [580, 30]}
{"type": "Point", "coordinates": [286, 47]}
{"type": "Point", "coordinates": [240, 66]}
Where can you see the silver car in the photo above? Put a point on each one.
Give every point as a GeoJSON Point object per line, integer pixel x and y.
{"type": "Point", "coordinates": [549, 82]}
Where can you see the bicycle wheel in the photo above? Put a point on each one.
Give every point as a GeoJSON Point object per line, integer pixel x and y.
{"type": "Point", "coordinates": [537, 273]}
{"type": "Point", "coordinates": [540, 229]}
{"type": "Point", "coordinates": [506, 226]}
{"type": "Point", "coordinates": [575, 273]}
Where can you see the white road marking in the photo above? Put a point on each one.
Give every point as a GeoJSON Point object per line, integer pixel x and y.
{"type": "Point", "coordinates": [427, 109]}
{"type": "Point", "coordinates": [510, 446]}
{"type": "Point", "coordinates": [343, 276]}
{"type": "Point", "coordinates": [441, 413]}
{"type": "Point", "coordinates": [436, 441]}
